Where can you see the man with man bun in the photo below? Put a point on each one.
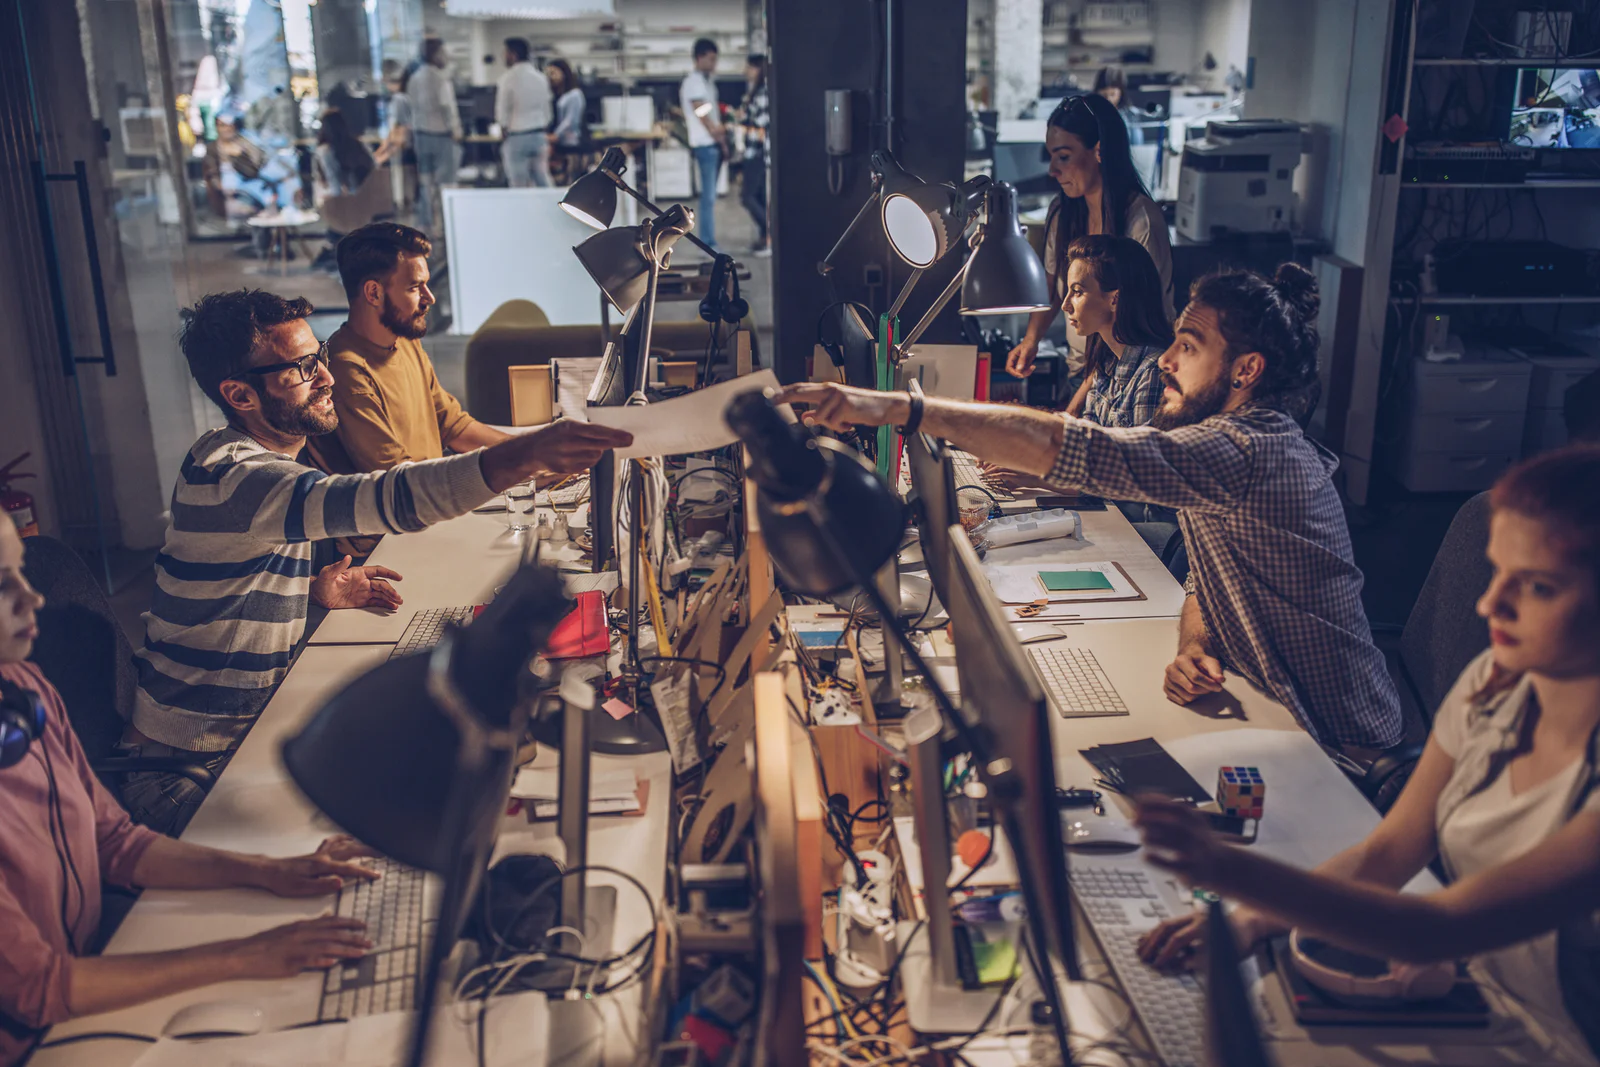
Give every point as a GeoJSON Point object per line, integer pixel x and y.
{"type": "Point", "coordinates": [1274, 592]}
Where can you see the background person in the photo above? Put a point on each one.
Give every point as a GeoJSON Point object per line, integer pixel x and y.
{"type": "Point", "coordinates": [65, 835]}
{"type": "Point", "coordinates": [567, 132]}
{"type": "Point", "coordinates": [1101, 192]}
{"type": "Point", "coordinates": [523, 110]}
{"type": "Point", "coordinates": [1505, 794]}
{"type": "Point", "coordinates": [437, 130]}
{"type": "Point", "coordinates": [755, 118]}
{"type": "Point", "coordinates": [708, 137]}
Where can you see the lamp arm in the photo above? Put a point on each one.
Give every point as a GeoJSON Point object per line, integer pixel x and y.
{"type": "Point", "coordinates": [631, 191]}
{"type": "Point", "coordinates": [937, 306]}
{"type": "Point", "coordinates": [825, 266]}
{"type": "Point", "coordinates": [905, 292]}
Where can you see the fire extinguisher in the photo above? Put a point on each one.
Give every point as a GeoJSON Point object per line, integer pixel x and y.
{"type": "Point", "coordinates": [17, 504]}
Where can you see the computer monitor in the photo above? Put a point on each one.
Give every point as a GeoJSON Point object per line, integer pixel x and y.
{"type": "Point", "coordinates": [848, 339]}
{"type": "Point", "coordinates": [1232, 1036]}
{"type": "Point", "coordinates": [1025, 166]}
{"type": "Point", "coordinates": [1555, 107]}
{"type": "Point", "coordinates": [609, 390]}
{"type": "Point", "coordinates": [933, 505]}
{"type": "Point", "coordinates": [1001, 695]}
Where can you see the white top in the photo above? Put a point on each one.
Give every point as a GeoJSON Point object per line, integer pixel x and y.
{"type": "Point", "coordinates": [433, 101]}
{"type": "Point", "coordinates": [1496, 826]}
{"type": "Point", "coordinates": [697, 88]}
{"type": "Point", "coordinates": [1145, 224]}
{"type": "Point", "coordinates": [522, 101]}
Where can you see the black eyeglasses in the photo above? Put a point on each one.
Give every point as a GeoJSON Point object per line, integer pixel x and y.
{"type": "Point", "coordinates": [306, 365]}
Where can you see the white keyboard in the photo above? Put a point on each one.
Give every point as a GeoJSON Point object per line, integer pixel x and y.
{"type": "Point", "coordinates": [567, 494]}
{"type": "Point", "coordinates": [1120, 905]}
{"type": "Point", "coordinates": [968, 473]}
{"type": "Point", "coordinates": [399, 910]}
{"type": "Point", "coordinates": [1077, 687]}
{"type": "Point", "coordinates": [426, 627]}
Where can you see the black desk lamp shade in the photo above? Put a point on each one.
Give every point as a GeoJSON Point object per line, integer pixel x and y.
{"type": "Point", "coordinates": [1005, 275]}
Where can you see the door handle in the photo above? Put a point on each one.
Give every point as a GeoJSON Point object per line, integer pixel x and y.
{"type": "Point", "coordinates": [58, 297]}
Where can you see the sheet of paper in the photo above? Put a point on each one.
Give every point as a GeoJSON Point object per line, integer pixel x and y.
{"type": "Point", "coordinates": [1018, 583]}
{"type": "Point", "coordinates": [574, 376]}
{"type": "Point", "coordinates": [1312, 811]}
{"type": "Point", "coordinates": [544, 783]}
{"type": "Point", "coordinates": [689, 423]}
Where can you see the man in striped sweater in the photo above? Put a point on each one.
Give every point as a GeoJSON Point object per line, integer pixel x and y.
{"type": "Point", "coordinates": [235, 575]}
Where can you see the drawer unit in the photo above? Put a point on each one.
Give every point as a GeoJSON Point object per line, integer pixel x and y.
{"type": "Point", "coordinates": [1493, 431]}
{"type": "Point", "coordinates": [1451, 472]}
{"type": "Point", "coordinates": [1554, 375]}
{"type": "Point", "coordinates": [1481, 383]}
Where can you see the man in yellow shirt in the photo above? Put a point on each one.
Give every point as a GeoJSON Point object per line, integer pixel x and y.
{"type": "Point", "coordinates": [390, 404]}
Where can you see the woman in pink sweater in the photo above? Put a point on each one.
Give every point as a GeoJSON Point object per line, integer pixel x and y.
{"type": "Point", "coordinates": [63, 835]}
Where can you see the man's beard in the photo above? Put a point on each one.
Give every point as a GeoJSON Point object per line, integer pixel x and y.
{"type": "Point", "coordinates": [413, 328]}
{"type": "Point", "coordinates": [301, 420]}
{"type": "Point", "coordinates": [1193, 408]}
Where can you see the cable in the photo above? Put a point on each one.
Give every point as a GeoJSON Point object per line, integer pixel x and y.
{"type": "Point", "coordinates": [64, 860]}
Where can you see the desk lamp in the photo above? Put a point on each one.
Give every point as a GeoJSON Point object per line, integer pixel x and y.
{"type": "Point", "coordinates": [626, 263]}
{"type": "Point", "coordinates": [416, 757]}
{"type": "Point", "coordinates": [829, 523]}
{"type": "Point", "coordinates": [592, 200]}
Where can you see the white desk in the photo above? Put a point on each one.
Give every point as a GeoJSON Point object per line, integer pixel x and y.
{"type": "Point", "coordinates": [1313, 811]}
{"type": "Point", "coordinates": [256, 808]}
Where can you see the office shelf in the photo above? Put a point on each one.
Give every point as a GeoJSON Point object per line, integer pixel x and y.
{"type": "Point", "coordinates": [1452, 298]}
{"type": "Point", "coordinates": [1559, 183]}
{"type": "Point", "coordinates": [1531, 61]}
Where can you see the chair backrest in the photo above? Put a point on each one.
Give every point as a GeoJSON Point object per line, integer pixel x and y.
{"type": "Point", "coordinates": [81, 648]}
{"type": "Point", "coordinates": [1443, 632]}
{"type": "Point", "coordinates": [373, 199]}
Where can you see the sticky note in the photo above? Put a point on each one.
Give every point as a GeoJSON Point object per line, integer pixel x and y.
{"type": "Point", "coordinates": [1073, 581]}
{"type": "Point", "coordinates": [617, 709]}
{"type": "Point", "coordinates": [995, 961]}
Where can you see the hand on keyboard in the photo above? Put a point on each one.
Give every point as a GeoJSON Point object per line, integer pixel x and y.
{"type": "Point", "coordinates": [324, 871]}
{"type": "Point", "coordinates": [285, 951]}
{"type": "Point", "coordinates": [1175, 943]}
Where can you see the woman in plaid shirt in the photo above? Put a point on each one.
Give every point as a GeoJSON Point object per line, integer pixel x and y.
{"type": "Point", "coordinates": [1274, 590]}
{"type": "Point", "coordinates": [1114, 300]}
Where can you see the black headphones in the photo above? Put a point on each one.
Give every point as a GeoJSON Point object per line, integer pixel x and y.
{"type": "Point", "coordinates": [717, 305]}
{"type": "Point", "coordinates": [21, 721]}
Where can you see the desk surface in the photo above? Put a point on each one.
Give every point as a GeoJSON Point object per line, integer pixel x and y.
{"type": "Point", "coordinates": [255, 808]}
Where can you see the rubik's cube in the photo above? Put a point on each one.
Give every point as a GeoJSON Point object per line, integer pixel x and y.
{"type": "Point", "coordinates": [1241, 792]}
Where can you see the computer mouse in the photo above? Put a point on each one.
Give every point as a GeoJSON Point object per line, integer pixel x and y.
{"type": "Point", "coordinates": [1087, 832]}
{"type": "Point", "coordinates": [216, 1018]}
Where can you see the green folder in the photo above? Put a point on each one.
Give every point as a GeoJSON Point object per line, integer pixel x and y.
{"type": "Point", "coordinates": [1074, 581]}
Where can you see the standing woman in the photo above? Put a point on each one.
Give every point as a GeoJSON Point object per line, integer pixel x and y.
{"type": "Point", "coordinates": [566, 132]}
{"type": "Point", "coordinates": [754, 118]}
{"type": "Point", "coordinates": [1101, 192]}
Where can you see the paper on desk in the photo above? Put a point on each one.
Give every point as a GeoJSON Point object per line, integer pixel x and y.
{"type": "Point", "coordinates": [689, 423]}
{"type": "Point", "coordinates": [1018, 583]}
{"type": "Point", "coordinates": [544, 783]}
{"type": "Point", "coordinates": [1312, 811]}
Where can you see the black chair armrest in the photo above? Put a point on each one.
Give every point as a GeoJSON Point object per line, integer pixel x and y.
{"type": "Point", "coordinates": [195, 772]}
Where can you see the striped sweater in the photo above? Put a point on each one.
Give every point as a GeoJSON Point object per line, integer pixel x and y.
{"type": "Point", "coordinates": [234, 577]}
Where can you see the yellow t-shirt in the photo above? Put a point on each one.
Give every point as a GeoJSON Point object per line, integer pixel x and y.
{"type": "Point", "coordinates": [391, 410]}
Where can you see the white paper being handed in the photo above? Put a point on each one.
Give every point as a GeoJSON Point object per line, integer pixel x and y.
{"type": "Point", "coordinates": [689, 423]}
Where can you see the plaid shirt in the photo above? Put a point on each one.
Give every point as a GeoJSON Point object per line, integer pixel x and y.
{"type": "Point", "coordinates": [1127, 391]}
{"type": "Point", "coordinates": [1270, 558]}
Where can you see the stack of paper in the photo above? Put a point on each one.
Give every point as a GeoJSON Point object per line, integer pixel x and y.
{"type": "Point", "coordinates": [614, 792]}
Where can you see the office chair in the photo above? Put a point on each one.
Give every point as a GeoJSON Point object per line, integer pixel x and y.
{"type": "Point", "coordinates": [83, 652]}
{"type": "Point", "coordinates": [1441, 636]}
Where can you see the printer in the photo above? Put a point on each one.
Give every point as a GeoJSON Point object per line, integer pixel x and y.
{"type": "Point", "coordinates": [1238, 178]}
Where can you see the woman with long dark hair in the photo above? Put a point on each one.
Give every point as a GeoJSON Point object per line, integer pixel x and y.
{"type": "Point", "coordinates": [344, 160]}
{"type": "Point", "coordinates": [1101, 192]}
{"type": "Point", "coordinates": [1114, 301]}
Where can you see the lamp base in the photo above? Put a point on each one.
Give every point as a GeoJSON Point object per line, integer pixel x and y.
{"type": "Point", "coordinates": [633, 735]}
